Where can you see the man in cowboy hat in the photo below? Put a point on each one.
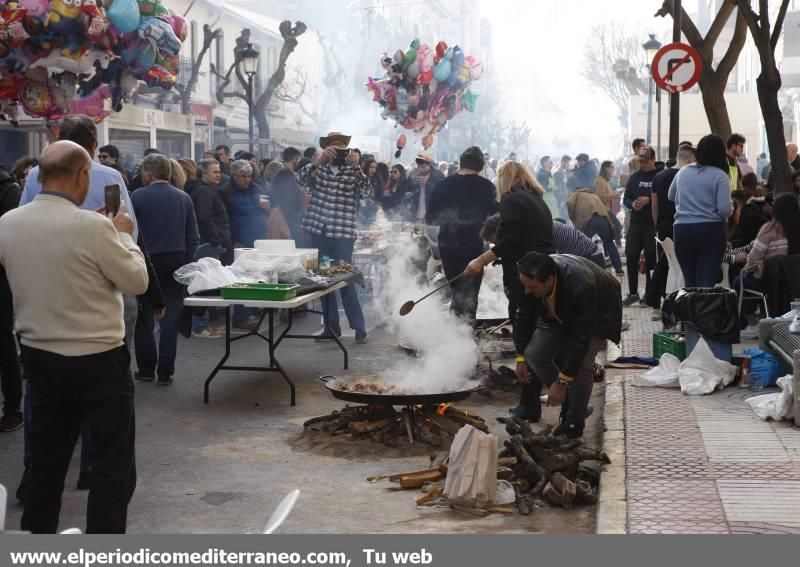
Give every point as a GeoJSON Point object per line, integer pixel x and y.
{"type": "Point", "coordinates": [424, 180]}
{"type": "Point", "coordinates": [337, 184]}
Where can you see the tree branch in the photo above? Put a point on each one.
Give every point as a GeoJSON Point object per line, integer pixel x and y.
{"type": "Point", "coordinates": [728, 62]}
{"type": "Point", "coordinates": [776, 31]}
{"type": "Point", "coordinates": [689, 29]}
{"type": "Point", "coordinates": [186, 90]}
{"type": "Point", "coordinates": [720, 21]}
{"type": "Point", "coordinates": [290, 34]}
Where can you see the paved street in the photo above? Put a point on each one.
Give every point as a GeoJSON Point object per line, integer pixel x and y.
{"type": "Point", "coordinates": [703, 464]}
{"type": "Point", "coordinates": [223, 468]}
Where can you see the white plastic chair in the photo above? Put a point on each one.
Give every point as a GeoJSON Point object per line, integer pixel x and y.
{"type": "Point", "coordinates": [675, 279]}
{"type": "Point", "coordinates": [282, 511]}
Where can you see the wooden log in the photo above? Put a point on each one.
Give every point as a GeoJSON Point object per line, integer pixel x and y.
{"type": "Point", "coordinates": [439, 458]}
{"type": "Point", "coordinates": [522, 502]}
{"type": "Point", "coordinates": [321, 419]}
{"type": "Point", "coordinates": [567, 489]}
{"type": "Point", "coordinates": [444, 423]}
{"type": "Point", "coordinates": [478, 424]}
{"type": "Point", "coordinates": [430, 496]}
{"type": "Point", "coordinates": [507, 462]}
{"type": "Point", "coordinates": [534, 471]}
{"type": "Point", "coordinates": [552, 495]}
{"type": "Point", "coordinates": [504, 473]}
{"type": "Point", "coordinates": [409, 432]}
{"type": "Point", "coordinates": [500, 510]}
{"type": "Point", "coordinates": [586, 454]}
{"type": "Point", "coordinates": [585, 493]}
{"type": "Point", "coordinates": [364, 427]}
{"type": "Point", "coordinates": [419, 480]}
{"type": "Point", "coordinates": [424, 472]}
{"type": "Point", "coordinates": [479, 512]}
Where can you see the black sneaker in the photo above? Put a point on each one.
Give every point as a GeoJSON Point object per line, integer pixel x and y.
{"type": "Point", "coordinates": [325, 336]}
{"type": "Point", "coordinates": [569, 430]}
{"type": "Point", "coordinates": [21, 488]}
{"type": "Point", "coordinates": [11, 421]}
{"type": "Point", "coordinates": [632, 299]}
{"type": "Point", "coordinates": [84, 480]}
{"type": "Point", "coordinates": [143, 376]}
{"type": "Point", "coordinates": [361, 339]}
{"type": "Point", "coordinates": [528, 414]}
{"type": "Point", "coordinates": [164, 379]}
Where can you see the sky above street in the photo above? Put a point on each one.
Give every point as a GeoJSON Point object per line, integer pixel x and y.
{"type": "Point", "coordinates": [538, 57]}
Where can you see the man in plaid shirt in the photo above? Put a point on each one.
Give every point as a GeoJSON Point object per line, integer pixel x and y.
{"type": "Point", "coordinates": [337, 185]}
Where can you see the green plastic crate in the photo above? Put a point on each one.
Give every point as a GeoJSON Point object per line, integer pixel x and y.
{"type": "Point", "coordinates": [667, 342]}
{"type": "Point", "coordinates": [260, 291]}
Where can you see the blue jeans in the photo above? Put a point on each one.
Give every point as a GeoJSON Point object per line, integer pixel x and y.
{"type": "Point", "coordinates": [599, 225]}
{"type": "Point", "coordinates": [340, 249]}
{"type": "Point", "coordinates": [700, 248]}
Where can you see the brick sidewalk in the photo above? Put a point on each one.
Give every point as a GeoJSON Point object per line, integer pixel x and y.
{"type": "Point", "coordinates": [703, 464]}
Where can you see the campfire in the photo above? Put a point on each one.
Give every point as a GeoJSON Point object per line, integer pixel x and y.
{"type": "Point", "coordinates": [434, 425]}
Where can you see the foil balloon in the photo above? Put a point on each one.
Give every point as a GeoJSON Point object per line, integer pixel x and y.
{"type": "Point", "coordinates": [124, 15]}
{"type": "Point", "coordinates": [427, 141]}
{"type": "Point", "coordinates": [35, 8]}
{"type": "Point", "coordinates": [37, 99]}
{"type": "Point", "coordinates": [150, 8]}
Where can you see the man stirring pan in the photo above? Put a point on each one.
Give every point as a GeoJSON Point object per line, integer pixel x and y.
{"type": "Point", "coordinates": [576, 307]}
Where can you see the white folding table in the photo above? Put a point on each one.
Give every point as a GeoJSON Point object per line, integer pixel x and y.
{"type": "Point", "coordinates": [269, 307]}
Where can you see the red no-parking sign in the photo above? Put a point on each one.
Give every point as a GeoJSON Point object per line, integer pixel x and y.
{"type": "Point", "coordinates": [677, 67]}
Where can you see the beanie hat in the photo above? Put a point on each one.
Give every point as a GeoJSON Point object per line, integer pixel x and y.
{"type": "Point", "coordinates": [472, 158]}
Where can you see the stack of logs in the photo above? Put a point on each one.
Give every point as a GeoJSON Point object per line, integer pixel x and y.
{"type": "Point", "coordinates": [558, 470]}
{"type": "Point", "coordinates": [433, 425]}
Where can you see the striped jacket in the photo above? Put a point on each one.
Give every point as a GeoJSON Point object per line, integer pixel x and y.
{"type": "Point", "coordinates": [770, 242]}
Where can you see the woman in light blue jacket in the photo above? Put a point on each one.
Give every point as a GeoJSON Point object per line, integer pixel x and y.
{"type": "Point", "coordinates": [702, 196]}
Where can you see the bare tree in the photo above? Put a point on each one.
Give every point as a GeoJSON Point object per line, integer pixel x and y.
{"type": "Point", "coordinates": [185, 91]}
{"type": "Point", "coordinates": [769, 82]}
{"type": "Point", "coordinates": [261, 101]}
{"type": "Point", "coordinates": [518, 134]}
{"type": "Point", "coordinates": [714, 80]}
{"type": "Point", "coordinates": [613, 59]}
{"type": "Point", "coordinates": [313, 102]}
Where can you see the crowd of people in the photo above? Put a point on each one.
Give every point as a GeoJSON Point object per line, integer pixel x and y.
{"type": "Point", "coordinates": [108, 277]}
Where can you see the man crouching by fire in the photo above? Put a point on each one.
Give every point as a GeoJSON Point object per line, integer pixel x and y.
{"type": "Point", "coordinates": [574, 306]}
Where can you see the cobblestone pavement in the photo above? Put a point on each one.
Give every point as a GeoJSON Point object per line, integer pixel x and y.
{"type": "Point", "coordinates": [704, 464]}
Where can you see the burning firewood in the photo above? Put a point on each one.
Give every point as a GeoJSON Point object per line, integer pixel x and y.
{"type": "Point", "coordinates": [431, 425]}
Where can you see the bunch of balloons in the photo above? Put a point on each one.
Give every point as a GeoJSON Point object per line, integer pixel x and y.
{"type": "Point", "coordinates": [69, 56]}
{"type": "Point", "coordinates": [424, 87]}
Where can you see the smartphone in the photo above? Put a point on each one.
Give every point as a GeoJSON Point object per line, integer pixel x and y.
{"type": "Point", "coordinates": [112, 199]}
{"type": "Point", "coordinates": [341, 156]}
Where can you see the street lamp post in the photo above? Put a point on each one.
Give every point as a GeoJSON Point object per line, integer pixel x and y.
{"type": "Point", "coordinates": [651, 47]}
{"type": "Point", "coordinates": [250, 66]}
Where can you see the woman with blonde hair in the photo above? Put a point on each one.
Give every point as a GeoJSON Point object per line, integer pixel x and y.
{"type": "Point", "coordinates": [189, 168]}
{"type": "Point", "coordinates": [177, 177]}
{"type": "Point", "coordinates": [526, 225]}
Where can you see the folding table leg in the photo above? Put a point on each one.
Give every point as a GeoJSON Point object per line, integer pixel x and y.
{"type": "Point", "coordinates": [221, 363]}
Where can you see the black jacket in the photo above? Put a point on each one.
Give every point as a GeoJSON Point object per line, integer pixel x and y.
{"type": "Point", "coordinates": [212, 217]}
{"type": "Point", "coordinates": [588, 303]}
{"type": "Point", "coordinates": [10, 192]}
{"type": "Point", "coordinates": [750, 222]}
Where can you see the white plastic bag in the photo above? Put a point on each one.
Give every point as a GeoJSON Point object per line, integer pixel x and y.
{"type": "Point", "coordinates": [702, 372]}
{"type": "Point", "coordinates": [206, 273]}
{"type": "Point", "coordinates": [665, 375]}
{"type": "Point", "coordinates": [775, 406]}
{"type": "Point", "coordinates": [269, 268]}
{"type": "Point", "coordinates": [472, 470]}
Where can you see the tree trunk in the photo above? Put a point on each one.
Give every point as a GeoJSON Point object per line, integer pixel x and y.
{"type": "Point", "coordinates": [715, 105]}
{"type": "Point", "coordinates": [262, 123]}
{"type": "Point", "coordinates": [773, 123]}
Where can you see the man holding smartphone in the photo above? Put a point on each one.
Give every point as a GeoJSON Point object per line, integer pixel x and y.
{"type": "Point", "coordinates": [75, 358]}
{"type": "Point", "coordinates": [337, 185]}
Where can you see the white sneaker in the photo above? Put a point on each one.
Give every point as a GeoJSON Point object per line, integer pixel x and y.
{"type": "Point", "coordinates": [751, 332]}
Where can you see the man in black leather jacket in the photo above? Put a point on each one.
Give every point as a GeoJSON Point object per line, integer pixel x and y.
{"type": "Point", "coordinates": [574, 306]}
